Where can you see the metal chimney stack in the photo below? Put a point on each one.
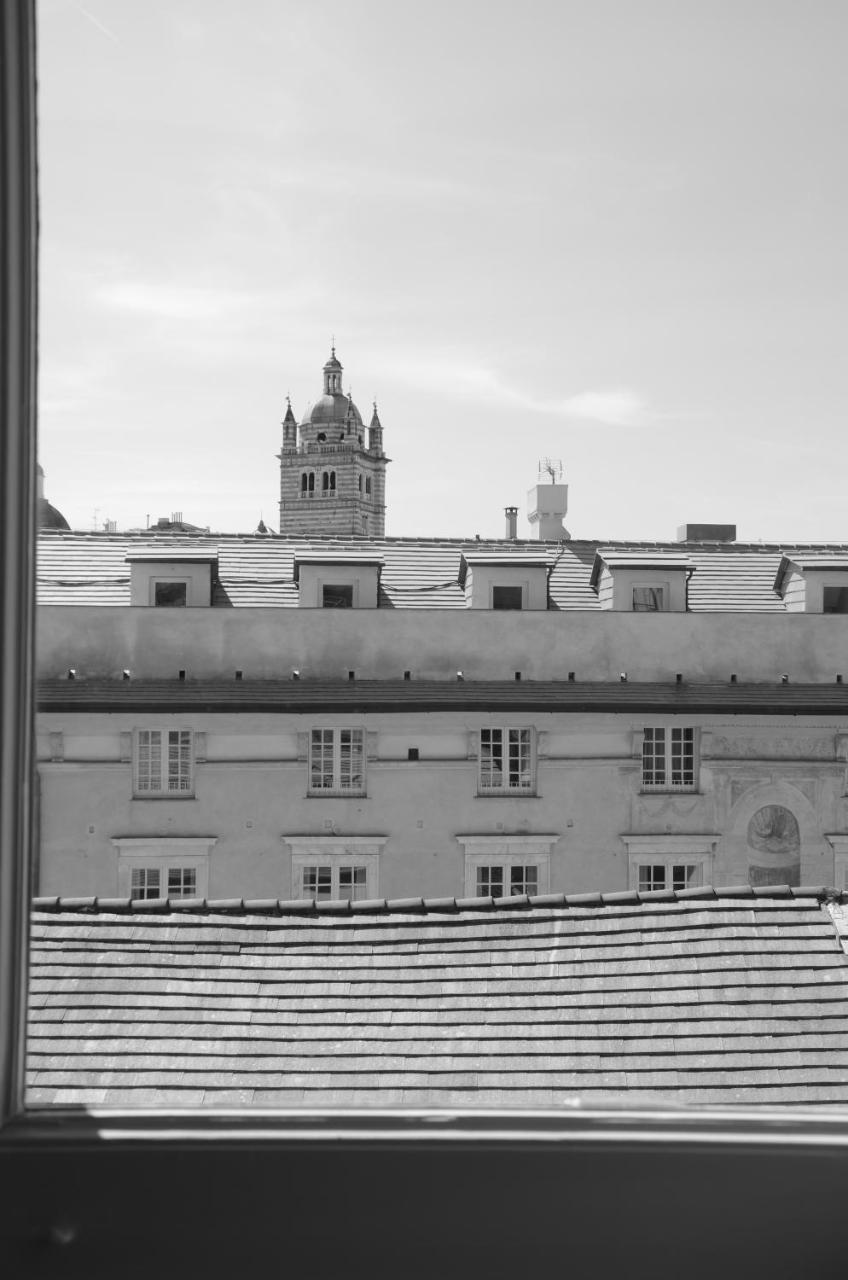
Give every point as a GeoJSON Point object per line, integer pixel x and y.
{"type": "Point", "coordinates": [511, 514]}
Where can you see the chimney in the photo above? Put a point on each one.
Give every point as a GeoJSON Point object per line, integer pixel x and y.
{"type": "Point", "coordinates": [706, 533]}
{"type": "Point", "coordinates": [547, 504]}
{"type": "Point", "coordinates": [176, 517]}
{"type": "Point", "coordinates": [511, 514]}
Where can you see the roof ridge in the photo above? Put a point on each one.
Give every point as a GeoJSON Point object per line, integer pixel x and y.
{"type": "Point", "coordinates": [406, 906]}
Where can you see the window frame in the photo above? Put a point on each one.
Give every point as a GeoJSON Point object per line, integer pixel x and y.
{"type": "Point", "coordinates": [505, 789]}
{"type": "Point", "coordinates": [668, 787]}
{"type": "Point", "coordinates": [335, 789]}
{"type": "Point", "coordinates": [667, 865]}
{"type": "Point", "coordinates": [667, 849]}
{"type": "Point", "coordinates": [507, 850]}
{"type": "Point", "coordinates": [165, 792]}
{"type": "Point", "coordinates": [337, 865]}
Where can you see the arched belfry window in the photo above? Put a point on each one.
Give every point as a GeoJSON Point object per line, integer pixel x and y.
{"type": "Point", "coordinates": [303, 483]}
{"type": "Point", "coordinates": [332, 482]}
{"type": "Point", "coordinates": [312, 482]}
{"type": "Point", "coordinates": [359, 478]}
{"type": "Point", "coordinates": [367, 484]}
{"type": "Point", "coordinates": [325, 482]}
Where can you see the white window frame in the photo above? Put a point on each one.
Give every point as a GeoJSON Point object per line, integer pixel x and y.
{"type": "Point", "coordinates": [670, 851]}
{"type": "Point", "coordinates": [694, 870]}
{"type": "Point", "coordinates": [164, 791]}
{"type": "Point", "coordinates": [484, 769]}
{"type": "Point", "coordinates": [337, 787]}
{"type": "Point", "coordinates": [507, 851]}
{"type": "Point", "coordinates": [162, 887]}
{"type": "Point", "coordinates": [338, 853]}
{"type": "Point", "coordinates": [163, 854]}
{"type": "Point", "coordinates": [668, 755]}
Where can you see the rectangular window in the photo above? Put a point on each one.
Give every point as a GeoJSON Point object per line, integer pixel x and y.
{"type": "Point", "coordinates": [649, 600]}
{"type": "Point", "coordinates": [340, 597]}
{"type": "Point", "coordinates": [317, 882]}
{"type": "Point", "coordinates": [835, 600]}
{"type": "Point", "coordinates": [668, 760]}
{"type": "Point", "coordinates": [182, 882]}
{"type": "Point", "coordinates": [170, 594]}
{"type": "Point", "coordinates": [145, 883]}
{"type": "Point", "coordinates": [353, 883]}
{"type": "Point", "coordinates": [348, 883]}
{"type": "Point", "coordinates": [163, 764]}
{"type": "Point", "coordinates": [668, 875]}
{"type": "Point", "coordinates": [506, 597]}
{"type": "Point", "coordinates": [506, 763]}
{"type": "Point", "coordinates": [507, 880]}
{"type": "Point", "coordinates": [337, 761]}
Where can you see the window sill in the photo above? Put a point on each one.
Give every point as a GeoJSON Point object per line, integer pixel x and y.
{"type": "Point", "coordinates": [523, 794]}
{"type": "Point", "coordinates": [669, 791]}
{"type": "Point", "coordinates": [179, 796]}
{"type": "Point", "coordinates": [330, 794]}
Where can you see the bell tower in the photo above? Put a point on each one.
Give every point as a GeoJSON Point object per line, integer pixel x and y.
{"type": "Point", "coordinates": [332, 478]}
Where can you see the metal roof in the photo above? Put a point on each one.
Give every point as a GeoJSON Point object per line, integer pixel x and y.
{"type": "Point", "coordinates": [257, 570]}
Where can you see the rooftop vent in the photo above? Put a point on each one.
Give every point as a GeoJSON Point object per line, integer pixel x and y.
{"type": "Point", "coordinates": [706, 533]}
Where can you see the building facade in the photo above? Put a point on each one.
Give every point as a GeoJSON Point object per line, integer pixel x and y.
{"type": "Point", "coordinates": [475, 718]}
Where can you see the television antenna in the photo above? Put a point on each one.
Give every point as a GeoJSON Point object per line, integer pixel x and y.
{"type": "Point", "coordinates": [551, 467]}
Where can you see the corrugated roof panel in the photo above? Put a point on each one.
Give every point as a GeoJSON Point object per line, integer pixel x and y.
{"type": "Point", "coordinates": [78, 568]}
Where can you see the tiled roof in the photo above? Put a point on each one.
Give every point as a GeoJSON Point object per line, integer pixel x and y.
{"type": "Point", "coordinates": [79, 568]}
{"type": "Point", "coordinates": [353, 696]}
{"type": "Point", "coordinates": [707, 996]}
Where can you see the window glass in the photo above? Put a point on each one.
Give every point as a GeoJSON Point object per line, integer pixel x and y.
{"type": "Point", "coordinates": [506, 597]}
{"type": "Point", "coordinates": [170, 594]}
{"type": "Point", "coordinates": [337, 597]}
{"type": "Point", "coordinates": [648, 599]}
{"type": "Point", "coordinates": [835, 600]}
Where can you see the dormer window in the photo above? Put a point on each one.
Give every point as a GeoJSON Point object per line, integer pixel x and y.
{"type": "Point", "coordinates": [337, 596]}
{"type": "Point", "coordinates": [507, 597]}
{"type": "Point", "coordinates": [172, 577]}
{"type": "Point", "coordinates": [170, 594]}
{"type": "Point", "coordinates": [337, 580]}
{"type": "Point", "coordinates": [649, 599]}
{"type": "Point", "coordinates": [835, 599]}
{"type": "Point", "coordinates": [634, 581]}
{"type": "Point", "coordinates": [504, 580]}
{"type": "Point", "coordinates": [813, 584]}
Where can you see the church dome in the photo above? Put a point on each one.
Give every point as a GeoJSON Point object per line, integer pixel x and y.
{"type": "Point", "coordinates": [332, 408]}
{"type": "Point", "coordinates": [49, 517]}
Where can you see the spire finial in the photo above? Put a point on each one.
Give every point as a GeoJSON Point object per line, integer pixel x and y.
{"type": "Point", "coordinates": [333, 345]}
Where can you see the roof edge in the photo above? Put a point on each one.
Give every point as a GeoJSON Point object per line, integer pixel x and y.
{"type": "Point", "coordinates": [423, 906]}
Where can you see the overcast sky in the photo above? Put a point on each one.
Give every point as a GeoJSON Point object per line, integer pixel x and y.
{"type": "Point", "coordinates": [610, 232]}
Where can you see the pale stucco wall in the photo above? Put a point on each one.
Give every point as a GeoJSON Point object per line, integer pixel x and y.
{"type": "Point", "coordinates": [433, 643]}
{"type": "Point", "coordinates": [251, 789]}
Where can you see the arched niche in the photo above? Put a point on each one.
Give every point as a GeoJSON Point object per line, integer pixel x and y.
{"type": "Point", "coordinates": [774, 846]}
{"type": "Point", "coordinates": [736, 858]}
